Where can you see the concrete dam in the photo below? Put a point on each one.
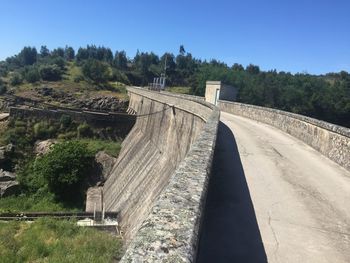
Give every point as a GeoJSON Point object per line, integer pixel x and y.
{"type": "Point", "coordinates": [279, 183]}
{"type": "Point", "coordinates": [158, 185]}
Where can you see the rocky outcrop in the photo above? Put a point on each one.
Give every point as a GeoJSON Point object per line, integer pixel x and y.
{"type": "Point", "coordinates": [101, 103]}
{"type": "Point", "coordinates": [110, 103]}
{"type": "Point", "coordinates": [5, 155]}
{"type": "Point", "coordinates": [6, 176]}
{"type": "Point", "coordinates": [43, 147]}
{"type": "Point", "coordinates": [105, 164]}
{"type": "Point", "coordinates": [8, 185]}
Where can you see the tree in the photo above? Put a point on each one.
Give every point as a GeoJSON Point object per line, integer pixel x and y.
{"type": "Point", "coordinates": [253, 69]}
{"type": "Point", "coordinates": [28, 56]}
{"type": "Point", "coordinates": [120, 60]}
{"type": "Point", "coordinates": [58, 52]}
{"type": "Point", "coordinates": [65, 170]}
{"type": "Point", "coordinates": [96, 70]}
{"type": "Point", "coordinates": [182, 50]}
{"type": "Point", "coordinates": [44, 52]}
{"type": "Point", "coordinates": [32, 75]}
{"type": "Point", "coordinates": [237, 67]}
{"type": "Point", "coordinates": [69, 53]}
{"type": "Point", "coordinates": [50, 72]}
{"type": "Point", "coordinates": [16, 79]}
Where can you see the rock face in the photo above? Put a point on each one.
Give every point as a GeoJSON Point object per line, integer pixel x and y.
{"type": "Point", "coordinates": [104, 104]}
{"type": "Point", "coordinates": [105, 163]}
{"type": "Point", "coordinates": [6, 176]}
{"type": "Point", "coordinates": [8, 185]}
{"type": "Point", "coordinates": [101, 103]}
{"type": "Point", "coordinates": [4, 150]}
{"type": "Point", "coordinates": [5, 155]}
{"type": "Point", "coordinates": [9, 188]}
{"type": "Point", "coordinates": [43, 147]}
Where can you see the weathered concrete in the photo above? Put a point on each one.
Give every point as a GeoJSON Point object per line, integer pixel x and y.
{"type": "Point", "coordinates": [331, 140]}
{"type": "Point", "coordinates": [216, 90]}
{"type": "Point", "coordinates": [161, 175]}
{"type": "Point", "coordinates": [94, 199]}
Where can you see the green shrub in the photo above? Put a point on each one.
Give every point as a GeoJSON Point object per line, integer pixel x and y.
{"type": "Point", "coordinates": [50, 72]}
{"type": "Point", "coordinates": [41, 130]}
{"type": "Point", "coordinates": [3, 89]}
{"type": "Point", "coordinates": [32, 75]}
{"type": "Point", "coordinates": [68, 135]}
{"type": "Point", "coordinates": [110, 147]}
{"type": "Point", "coordinates": [78, 78]}
{"type": "Point", "coordinates": [84, 130]}
{"type": "Point", "coordinates": [65, 170]}
{"type": "Point", "coordinates": [16, 79]}
{"type": "Point", "coordinates": [65, 121]}
{"type": "Point", "coordinates": [119, 76]}
{"type": "Point", "coordinates": [96, 70]}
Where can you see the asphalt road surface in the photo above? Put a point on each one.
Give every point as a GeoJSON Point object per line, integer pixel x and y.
{"type": "Point", "coordinates": [272, 198]}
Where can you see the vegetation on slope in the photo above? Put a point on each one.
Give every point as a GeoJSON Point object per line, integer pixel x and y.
{"type": "Point", "coordinates": [48, 240]}
{"type": "Point", "coordinates": [325, 97]}
{"type": "Point", "coordinates": [67, 167]}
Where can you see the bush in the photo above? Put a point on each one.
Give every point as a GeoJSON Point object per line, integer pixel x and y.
{"type": "Point", "coordinates": [3, 89]}
{"type": "Point", "coordinates": [16, 79]}
{"type": "Point", "coordinates": [119, 76]}
{"type": "Point", "coordinates": [78, 78]}
{"type": "Point", "coordinates": [50, 72]}
{"type": "Point", "coordinates": [65, 121]}
{"type": "Point", "coordinates": [42, 130]}
{"type": "Point", "coordinates": [32, 75]}
{"type": "Point", "coordinates": [68, 135]}
{"type": "Point", "coordinates": [65, 170]}
{"type": "Point", "coordinates": [96, 70]}
{"type": "Point", "coordinates": [84, 130]}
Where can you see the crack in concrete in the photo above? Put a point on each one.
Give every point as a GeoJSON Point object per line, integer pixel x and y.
{"type": "Point", "coordinates": [273, 232]}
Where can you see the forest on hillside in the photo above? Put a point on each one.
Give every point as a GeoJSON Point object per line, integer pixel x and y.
{"type": "Point", "coordinates": [325, 97]}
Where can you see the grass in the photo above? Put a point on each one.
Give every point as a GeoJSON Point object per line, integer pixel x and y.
{"type": "Point", "coordinates": [49, 240]}
{"type": "Point", "coordinates": [110, 147]}
{"type": "Point", "coordinates": [33, 203]}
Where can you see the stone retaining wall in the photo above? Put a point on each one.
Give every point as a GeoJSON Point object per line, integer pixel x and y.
{"type": "Point", "coordinates": [329, 139]}
{"type": "Point", "coordinates": [122, 122]}
{"type": "Point", "coordinates": [159, 183]}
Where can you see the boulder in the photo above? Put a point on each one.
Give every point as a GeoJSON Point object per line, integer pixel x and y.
{"type": "Point", "coordinates": [105, 163]}
{"type": "Point", "coordinates": [43, 147]}
{"type": "Point", "coordinates": [9, 188]}
{"type": "Point", "coordinates": [6, 176]}
{"type": "Point", "coordinates": [5, 152]}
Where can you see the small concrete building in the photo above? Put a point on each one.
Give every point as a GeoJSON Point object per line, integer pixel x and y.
{"type": "Point", "coordinates": [216, 90]}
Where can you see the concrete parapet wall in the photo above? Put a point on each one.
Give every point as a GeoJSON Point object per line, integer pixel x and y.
{"type": "Point", "coordinates": [331, 140]}
{"type": "Point", "coordinates": [158, 185]}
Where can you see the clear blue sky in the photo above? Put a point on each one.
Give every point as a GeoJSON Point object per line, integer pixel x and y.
{"type": "Point", "coordinates": [289, 35]}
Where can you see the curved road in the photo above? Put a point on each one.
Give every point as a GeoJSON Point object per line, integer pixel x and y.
{"type": "Point", "coordinates": [273, 198]}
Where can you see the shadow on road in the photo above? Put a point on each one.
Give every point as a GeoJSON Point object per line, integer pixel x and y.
{"type": "Point", "coordinates": [229, 231]}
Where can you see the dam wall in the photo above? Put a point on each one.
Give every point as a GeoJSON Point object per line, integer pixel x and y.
{"type": "Point", "coordinates": [158, 184]}
{"type": "Point", "coordinates": [331, 140]}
